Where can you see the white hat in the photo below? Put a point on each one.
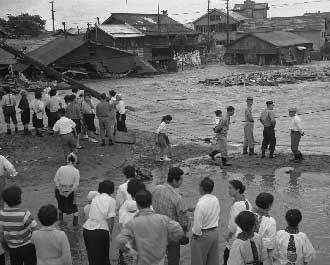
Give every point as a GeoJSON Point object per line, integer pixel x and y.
{"type": "Point", "coordinates": [91, 195]}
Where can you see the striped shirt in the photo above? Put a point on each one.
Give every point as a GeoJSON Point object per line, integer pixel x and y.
{"type": "Point", "coordinates": [16, 225]}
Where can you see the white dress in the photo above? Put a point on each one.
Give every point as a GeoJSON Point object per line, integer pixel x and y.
{"type": "Point", "coordinates": [304, 249]}
{"type": "Point", "coordinates": [267, 231]}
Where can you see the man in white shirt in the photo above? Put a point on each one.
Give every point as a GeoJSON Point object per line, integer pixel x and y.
{"type": "Point", "coordinates": [296, 133]}
{"type": "Point", "coordinates": [121, 114]}
{"type": "Point", "coordinates": [9, 111]}
{"type": "Point", "coordinates": [204, 243]}
{"type": "Point", "coordinates": [65, 128]}
{"type": "Point", "coordinates": [5, 168]}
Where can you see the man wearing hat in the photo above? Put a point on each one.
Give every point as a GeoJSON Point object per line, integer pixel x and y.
{"type": "Point", "coordinates": [248, 128]}
{"type": "Point", "coordinates": [296, 133]}
{"type": "Point", "coordinates": [267, 119]}
{"type": "Point", "coordinates": [9, 109]}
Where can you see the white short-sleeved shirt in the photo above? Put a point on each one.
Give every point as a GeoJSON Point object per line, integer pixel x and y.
{"type": "Point", "coordinates": [235, 209]}
{"type": "Point", "coordinates": [122, 195]}
{"type": "Point", "coordinates": [304, 249]}
{"type": "Point", "coordinates": [162, 128]}
{"type": "Point", "coordinates": [64, 125]}
{"type": "Point", "coordinates": [127, 211]}
{"type": "Point", "coordinates": [103, 207]}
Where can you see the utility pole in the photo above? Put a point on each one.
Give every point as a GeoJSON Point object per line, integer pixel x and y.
{"type": "Point", "coordinates": [208, 25]}
{"type": "Point", "coordinates": [63, 23]}
{"type": "Point", "coordinates": [158, 22]}
{"type": "Point", "coordinates": [53, 17]}
{"type": "Point", "coordinates": [98, 20]}
{"type": "Point", "coordinates": [227, 22]}
{"type": "Point", "coordinates": [88, 25]}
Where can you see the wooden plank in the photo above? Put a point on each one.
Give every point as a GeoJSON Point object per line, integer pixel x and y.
{"type": "Point", "coordinates": [125, 138]}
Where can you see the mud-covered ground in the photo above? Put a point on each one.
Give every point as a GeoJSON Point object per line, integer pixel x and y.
{"type": "Point", "coordinates": [305, 186]}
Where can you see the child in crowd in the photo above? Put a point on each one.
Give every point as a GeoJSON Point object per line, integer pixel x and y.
{"type": "Point", "coordinates": [66, 128]}
{"type": "Point", "coordinates": [67, 181]}
{"type": "Point", "coordinates": [16, 227]}
{"type": "Point", "coordinates": [88, 111]}
{"type": "Point", "coordinates": [91, 195]}
{"type": "Point", "coordinates": [122, 193]}
{"type": "Point", "coordinates": [162, 139]}
{"type": "Point", "coordinates": [291, 245]}
{"type": "Point", "coordinates": [265, 225]}
{"type": "Point", "coordinates": [73, 112]}
{"type": "Point", "coordinates": [52, 245]}
{"type": "Point", "coordinates": [54, 105]}
{"type": "Point", "coordinates": [24, 106]}
{"type": "Point", "coordinates": [38, 111]}
{"type": "Point", "coordinates": [247, 247]}
{"type": "Point", "coordinates": [218, 115]}
{"type": "Point", "coordinates": [9, 109]}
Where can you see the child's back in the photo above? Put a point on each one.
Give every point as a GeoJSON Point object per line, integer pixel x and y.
{"type": "Point", "coordinates": [292, 248]}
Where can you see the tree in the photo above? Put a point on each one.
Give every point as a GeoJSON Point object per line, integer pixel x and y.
{"type": "Point", "coordinates": [25, 24]}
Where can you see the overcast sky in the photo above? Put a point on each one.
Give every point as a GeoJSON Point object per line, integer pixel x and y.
{"type": "Point", "coordinates": [79, 12]}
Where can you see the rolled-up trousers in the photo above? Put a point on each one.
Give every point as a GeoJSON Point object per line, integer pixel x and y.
{"type": "Point", "coordinates": [295, 139]}
{"type": "Point", "coordinates": [248, 135]}
{"type": "Point", "coordinates": [205, 249]}
{"type": "Point", "coordinates": [269, 139]}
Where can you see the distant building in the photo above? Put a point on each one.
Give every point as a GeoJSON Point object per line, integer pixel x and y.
{"type": "Point", "coordinates": [312, 28]}
{"type": "Point", "coordinates": [251, 9]}
{"type": "Point", "coordinates": [151, 36]}
{"type": "Point", "coordinates": [326, 16]}
{"type": "Point", "coordinates": [218, 25]}
{"type": "Point", "coordinates": [265, 48]}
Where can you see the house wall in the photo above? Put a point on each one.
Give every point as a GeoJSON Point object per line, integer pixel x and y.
{"type": "Point", "coordinates": [317, 37]}
{"type": "Point", "coordinates": [251, 45]}
{"type": "Point", "coordinates": [253, 13]}
{"type": "Point", "coordinates": [103, 59]}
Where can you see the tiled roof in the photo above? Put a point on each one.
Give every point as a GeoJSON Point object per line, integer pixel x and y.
{"type": "Point", "coordinates": [232, 14]}
{"type": "Point", "coordinates": [150, 24]}
{"type": "Point", "coordinates": [120, 30]}
{"type": "Point", "coordinates": [281, 38]}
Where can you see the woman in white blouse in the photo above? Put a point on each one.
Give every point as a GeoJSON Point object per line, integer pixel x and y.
{"type": "Point", "coordinates": [236, 190]}
{"type": "Point", "coordinates": [98, 228]}
{"type": "Point", "coordinates": [162, 139]}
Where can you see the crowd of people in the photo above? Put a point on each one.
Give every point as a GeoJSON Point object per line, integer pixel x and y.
{"type": "Point", "coordinates": [152, 225]}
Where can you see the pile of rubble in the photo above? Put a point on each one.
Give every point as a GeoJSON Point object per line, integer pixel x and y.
{"type": "Point", "coordinates": [271, 78]}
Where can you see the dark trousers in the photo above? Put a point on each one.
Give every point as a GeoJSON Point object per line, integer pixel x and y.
{"type": "Point", "coordinates": [121, 125]}
{"type": "Point", "coordinates": [23, 255]}
{"type": "Point", "coordinates": [295, 139]}
{"type": "Point", "coordinates": [2, 259]}
{"type": "Point", "coordinates": [173, 253]}
{"type": "Point", "coordinates": [97, 244]}
{"type": "Point", "coordinates": [226, 256]}
{"type": "Point", "coordinates": [269, 139]}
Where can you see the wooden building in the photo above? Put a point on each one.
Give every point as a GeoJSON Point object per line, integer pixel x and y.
{"type": "Point", "coordinates": [251, 9]}
{"type": "Point", "coordinates": [151, 36]}
{"type": "Point", "coordinates": [75, 53]}
{"type": "Point", "coordinates": [277, 47]}
{"type": "Point", "coordinates": [218, 25]}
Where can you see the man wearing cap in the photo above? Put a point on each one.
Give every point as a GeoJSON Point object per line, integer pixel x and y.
{"type": "Point", "coordinates": [296, 133]}
{"type": "Point", "coordinates": [248, 128]}
{"type": "Point", "coordinates": [267, 119]}
{"type": "Point", "coordinates": [9, 109]}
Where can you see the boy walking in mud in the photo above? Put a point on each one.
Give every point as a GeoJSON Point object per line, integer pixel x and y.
{"type": "Point", "coordinates": [296, 133]}
{"type": "Point", "coordinates": [267, 119]}
{"type": "Point", "coordinates": [221, 131]}
{"type": "Point", "coordinates": [248, 128]}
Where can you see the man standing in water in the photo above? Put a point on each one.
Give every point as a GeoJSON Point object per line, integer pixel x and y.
{"type": "Point", "coordinates": [296, 133]}
{"type": "Point", "coordinates": [248, 128]}
{"type": "Point", "coordinates": [267, 119]}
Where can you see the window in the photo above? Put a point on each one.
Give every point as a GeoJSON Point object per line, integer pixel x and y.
{"type": "Point", "coordinates": [215, 18]}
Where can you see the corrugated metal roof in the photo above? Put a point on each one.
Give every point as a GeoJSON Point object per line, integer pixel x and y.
{"type": "Point", "coordinates": [281, 38]}
{"type": "Point", "coordinates": [148, 23]}
{"type": "Point", "coordinates": [120, 30]}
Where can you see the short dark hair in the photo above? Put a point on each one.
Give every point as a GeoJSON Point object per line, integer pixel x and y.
{"type": "Point", "coordinates": [143, 198]}
{"type": "Point", "coordinates": [103, 96]}
{"type": "Point", "coordinates": [112, 93]}
{"type": "Point", "coordinates": [106, 186]}
{"type": "Point", "coordinates": [47, 215]}
{"type": "Point", "coordinates": [61, 112]}
{"type": "Point", "coordinates": [52, 92]}
{"type": "Point", "coordinates": [74, 89]}
{"type": "Point", "coordinates": [129, 172]}
{"type": "Point", "coordinates": [7, 89]}
{"type": "Point", "coordinates": [87, 95]}
{"type": "Point", "coordinates": [264, 200]}
{"type": "Point", "coordinates": [67, 98]}
{"type": "Point", "coordinates": [230, 108]}
{"type": "Point", "coordinates": [293, 217]}
{"type": "Point", "coordinates": [246, 220]}
{"type": "Point", "coordinates": [174, 173]}
{"type": "Point", "coordinates": [38, 94]}
{"type": "Point", "coordinates": [238, 185]}
{"type": "Point", "coordinates": [207, 185]}
{"type": "Point", "coordinates": [12, 196]}
{"type": "Point", "coordinates": [167, 118]}
{"type": "Point", "coordinates": [218, 112]}
{"type": "Point", "coordinates": [134, 186]}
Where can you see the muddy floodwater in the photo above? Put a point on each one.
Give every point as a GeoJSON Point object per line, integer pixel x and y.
{"type": "Point", "coordinates": [305, 186]}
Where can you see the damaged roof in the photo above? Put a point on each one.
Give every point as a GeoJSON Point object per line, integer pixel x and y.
{"type": "Point", "coordinates": [120, 30]}
{"type": "Point", "coordinates": [150, 24]}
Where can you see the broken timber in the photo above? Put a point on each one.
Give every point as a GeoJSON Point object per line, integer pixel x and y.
{"type": "Point", "coordinates": [49, 71]}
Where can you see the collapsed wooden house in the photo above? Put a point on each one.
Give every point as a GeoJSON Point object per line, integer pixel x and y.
{"type": "Point", "coordinates": [276, 47]}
